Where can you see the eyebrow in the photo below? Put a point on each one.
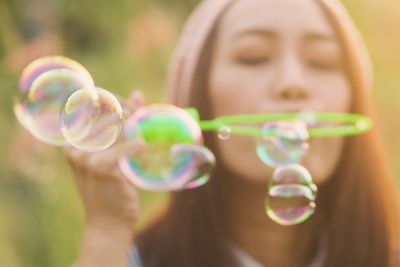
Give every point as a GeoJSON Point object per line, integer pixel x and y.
{"type": "Point", "coordinates": [314, 36]}
{"type": "Point", "coordinates": [255, 31]}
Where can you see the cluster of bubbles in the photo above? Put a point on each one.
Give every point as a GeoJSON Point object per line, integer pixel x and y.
{"type": "Point", "coordinates": [44, 86]}
{"type": "Point", "coordinates": [53, 104]}
{"type": "Point", "coordinates": [291, 194]}
{"type": "Point", "coordinates": [60, 105]}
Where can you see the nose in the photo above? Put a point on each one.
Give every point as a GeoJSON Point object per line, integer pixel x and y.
{"type": "Point", "coordinates": [290, 82]}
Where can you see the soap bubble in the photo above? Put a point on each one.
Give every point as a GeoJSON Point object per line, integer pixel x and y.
{"type": "Point", "coordinates": [291, 195]}
{"type": "Point", "coordinates": [283, 143]}
{"type": "Point", "coordinates": [224, 133]}
{"type": "Point", "coordinates": [44, 64]}
{"type": "Point", "coordinates": [202, 163]}
{"type": "Point", "coordinates": [293, 174]}
{"type": "Point", "coordinates": [92, 119]}
{"type": "Point", "coordinates": [174, 157]}
{"type": "Point", "coordinates": [39, 110]}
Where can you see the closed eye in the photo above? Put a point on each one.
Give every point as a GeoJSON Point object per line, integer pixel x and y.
{"type": "Point", "coordinates": [254, 60]}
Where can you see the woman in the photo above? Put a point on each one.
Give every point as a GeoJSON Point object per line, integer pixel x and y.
{"type": "Point", "coordinates": [255, 56]}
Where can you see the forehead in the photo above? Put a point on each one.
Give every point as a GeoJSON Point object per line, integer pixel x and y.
{"type": "Point", "coordinates": [286, 16]}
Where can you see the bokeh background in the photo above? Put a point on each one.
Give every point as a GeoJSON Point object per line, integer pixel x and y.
{"type": "Point", "coordinates": [126, 45]}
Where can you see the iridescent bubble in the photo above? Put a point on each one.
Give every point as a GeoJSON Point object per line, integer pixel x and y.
{"type": "Point", "coordinates": [44, 64]}
{"type": "Point", "coordinates": [291, 196]}
{"type": "Point", "coordinates": [293, 174]}
{"type": "Point", "coordinates": [174, 158]}
{"type": "Point", "coordinates": [21, 111]}
{"type": "Point", "coordinates": [224, 133]}
{"type": "Point", "coordinates": [39, 110]}
{"type": "Point", "coordinates": [202, 160]}
{"type": "Point", "coordinates": [283, 143]}
{"type": "Point", "coordinates": [92, 119]}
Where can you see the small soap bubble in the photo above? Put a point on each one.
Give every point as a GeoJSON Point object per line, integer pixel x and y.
{"type": "Point", "coordinates": [291, 195]}
{"type": "Point", "coordinates": [362, 125]}
{"type": "Point", "coordinates": [283, 143]}
{"type": "Point", "coordinates": [293, 173]}
{"type": "Point", "coordinates": [289, 204]}
{"type": "Point", "coordinates": [202, 163]}
{"type": "Point", "coordinates": [224, 133]}
{"type": "Point", "coordinates": [174, 158]}
{"type": "Point", "coordinates": [92, 119]}
{"type": "Point", "coordinates": [39, 110]}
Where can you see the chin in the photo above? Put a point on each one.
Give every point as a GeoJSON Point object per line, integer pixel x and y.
{"type": "Point", "coordinates": [258, 175]}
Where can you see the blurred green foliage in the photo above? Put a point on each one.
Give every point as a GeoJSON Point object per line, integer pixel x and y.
{"type": "Point", "coordinates": [126, 45]}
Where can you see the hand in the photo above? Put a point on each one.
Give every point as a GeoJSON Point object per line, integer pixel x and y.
{"type": "Point", "coordinates": [110, 200]}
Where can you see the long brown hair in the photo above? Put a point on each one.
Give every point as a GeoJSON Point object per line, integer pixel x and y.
{"type": "Point", "coordinates": [356, 207]}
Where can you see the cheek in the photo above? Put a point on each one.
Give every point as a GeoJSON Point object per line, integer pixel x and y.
{"type": "Point", "coordinates": [332, 91]}
{"type": "Point", "coordinates": [235, 90]}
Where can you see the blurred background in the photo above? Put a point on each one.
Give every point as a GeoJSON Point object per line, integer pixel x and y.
{"type": "Point", "coordinates": [126, 45]}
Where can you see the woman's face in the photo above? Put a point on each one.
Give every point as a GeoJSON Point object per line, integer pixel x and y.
{"type": "Point", "coordinates": [275, 56]}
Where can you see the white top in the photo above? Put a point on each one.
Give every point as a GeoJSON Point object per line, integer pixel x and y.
{"type": "Point", "coordinates": [246, 260]}
{"type": "Point", "coordinates": [242, 257]}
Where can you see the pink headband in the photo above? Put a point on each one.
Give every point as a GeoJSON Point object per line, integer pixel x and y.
{"type": "Point", "coordinates": [189, 48]}
{"type": "Point", "coordinates": [198, 27]}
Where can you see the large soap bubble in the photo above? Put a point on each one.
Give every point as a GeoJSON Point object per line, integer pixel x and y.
{"type": "Point", "coordinates": [39, 110]}
{"type": "Point", "coordinates": [174, 157]}
{"type": "Point", "coordinates": [44, 64]}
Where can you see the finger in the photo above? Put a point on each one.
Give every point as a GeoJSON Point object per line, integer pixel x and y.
{"type": "Point", "coordinates": [77, 160]}
{"type": "Point", "coordinates": [126, 107]}
{"type": "Point", "coordinates": [119, 175]}
{"type": "Point", "coordinates": [75, 156]}
{"type": "Point", "coordinates": [137, 98]}
{"type": "Point", "coordinates": [104, 127]}
{"type": "Point", "coordinates": [135, 101]}
{"type": "Point", "coordinates": [105, 161]}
